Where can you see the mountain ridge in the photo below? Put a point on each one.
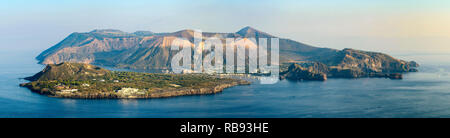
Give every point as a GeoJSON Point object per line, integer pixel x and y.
{"type": "Point", "coordinates": [149, 50]}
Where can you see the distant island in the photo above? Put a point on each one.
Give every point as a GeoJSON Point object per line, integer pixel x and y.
{"type": "Point", "coordinates": [80, 80]}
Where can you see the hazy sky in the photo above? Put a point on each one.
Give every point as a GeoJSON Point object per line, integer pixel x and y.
{"type": "Point", "coordinates": [391, 26]}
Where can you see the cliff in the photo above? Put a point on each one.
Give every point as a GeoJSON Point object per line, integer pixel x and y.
{"type": "Point", "coordinates": [148, 50]}
{"type": "Point", "coordinates": [368, 62]}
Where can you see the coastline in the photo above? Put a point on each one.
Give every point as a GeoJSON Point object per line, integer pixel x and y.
{"type": "Point", "coordinates": [161, 93]}
{"type": "Point", "coordinates": [79, 80]}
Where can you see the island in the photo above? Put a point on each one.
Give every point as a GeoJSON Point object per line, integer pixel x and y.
{"type": "Point", "coordinates": [146, 50]}
{"type": "Point", "coordinates": [81, 80]}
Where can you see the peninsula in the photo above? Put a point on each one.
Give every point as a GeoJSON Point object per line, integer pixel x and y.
{"type": "Point", "coordinates": [145, 50]}
{"type": "Point", "coordinates": [80, 80]}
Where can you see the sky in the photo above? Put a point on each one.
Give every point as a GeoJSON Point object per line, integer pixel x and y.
{"type": "Point", "coordinates": [390, 26]}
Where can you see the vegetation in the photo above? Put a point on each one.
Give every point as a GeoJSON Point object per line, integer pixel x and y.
{"type": "Point", "coordinates": [81, 79]}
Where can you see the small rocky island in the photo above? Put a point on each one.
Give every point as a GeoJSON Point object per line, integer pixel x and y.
{"type": "Point", "coordinates": [79, 80]}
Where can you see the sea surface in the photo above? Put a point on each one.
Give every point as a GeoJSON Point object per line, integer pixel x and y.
{"type": "Point", "coordinates": [422, 94]}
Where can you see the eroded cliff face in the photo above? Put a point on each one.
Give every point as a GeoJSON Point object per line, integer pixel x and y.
{"type": "Point", "coordinates": [147, 50]}
{"type": "Point", "coordinates": [349, 63]}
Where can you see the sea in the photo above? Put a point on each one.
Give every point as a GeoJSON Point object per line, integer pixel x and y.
{"type": "Point", "coordinates": [423, 94]}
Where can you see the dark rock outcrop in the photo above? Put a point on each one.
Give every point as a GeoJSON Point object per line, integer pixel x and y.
{"type": "Point", "coordinates": [314, 71]}
{"type": "Point", "coordinates": [147, 50]}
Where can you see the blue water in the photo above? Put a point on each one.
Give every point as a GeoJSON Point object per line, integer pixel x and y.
{"type": "Point", "coordinates": [423, 94]}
